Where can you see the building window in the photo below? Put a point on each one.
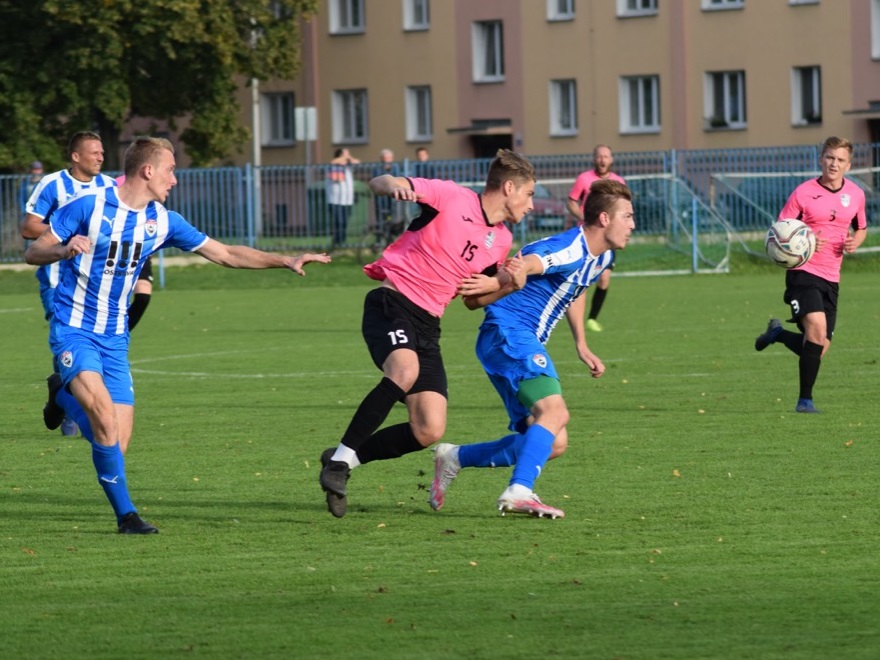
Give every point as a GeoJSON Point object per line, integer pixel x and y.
{"type": "Point", "coordinates": [419, 120]}
{"type": "Point", "coordinates": [875, 29]}
{"type": "Point", "coordinates": [724, 99]}
{"type": "Point", "coordinates": [563, 107]}
{"type": "Point", "coordinates": [560, 10]}
{"type": "Point", "coordinates": [488, 46]}
{"type": "Point", "coordinates": [416, 15]}
{"type": "Point", "coordinates": [724, 4]}
{"type": "Point", "coordinates": [639, 104]}
{"type": "Point", "coordinates": [803, 2]}
{"type": "Point", "coordinates": [347, 16]}
{"type": "Point", "coordinates": [350, 116]}
{"type": "Point", "coordinates": [636, 8]}
{"type": "Point", "coordinates": [806, 95]}
{"type": "Point", "coordinates": [276, 117]}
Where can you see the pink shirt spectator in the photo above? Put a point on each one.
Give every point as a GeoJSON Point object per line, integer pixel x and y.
{"type": "Point", "coordinates": [830, 214]}
{"type": "Point", "coordinates": [449, 241]}
{"type": "Point", "coordinates": [582, 184]}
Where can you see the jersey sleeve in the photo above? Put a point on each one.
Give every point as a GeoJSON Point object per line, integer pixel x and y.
{"type": "Point", "coordinates": [577, 190]}
{"type": "Point", "coordinates": [43, 200]}
{"type": "Point", "coordinates": [792, 208]}
{"type": "Point", "coordinates": [432, 191]}
{"type": "Point", "coordinates": [183, 235]}
{"type": "Point", "coordinates": [68, 220]}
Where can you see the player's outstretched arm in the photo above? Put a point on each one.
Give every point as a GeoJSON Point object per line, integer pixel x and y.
{"type": "Point", "coordinates": [47, 249]}
{"type": "Point", "coordinates": [242, 256]}
{"type": "Point", "coordinates": [481, 290]}
{"type": "Point", "coordinates": [393, 186]}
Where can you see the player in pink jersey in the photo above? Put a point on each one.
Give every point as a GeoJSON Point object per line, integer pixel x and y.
{"type": "Point", "coordinates": [834, 208]}
{"type": "Point", "coordinates": [459, 234]}
{"type": "Point", "coordinates": [602, 162]}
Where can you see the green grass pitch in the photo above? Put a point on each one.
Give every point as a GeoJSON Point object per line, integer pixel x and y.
{"type": "Point", "coordinates": [704, 519]}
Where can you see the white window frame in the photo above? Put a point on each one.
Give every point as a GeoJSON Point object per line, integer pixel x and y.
{"type": "Point", "coordinates": [806, 80]}
{"type": "Point", "coordinates": [277, 119]}
{"type": "Point", "coordinates": [639, 105]}
{"type": "Point", "coordinates": [563, 107]}
{"type": "Point", "coordinates": [560, 10]}
{"type": "Point", "coordinates": [346, 16]}
{"type": "Point", "coordinates": [419, 114]}
{"type": "Point", "coordinates": [629, 8]}
{"type": "Point", "coordinates": [350, 116]}
{"type": "Point", "coordinates": [722, 5]}
{"type": "Point", "coordinates": [875, 29]}
{"type": "Point", "coordinates": [416, 15]}
{"type": "Point", "coordinates": [488, 36]}
{"type": "Point", "coordinates": [724, 107]}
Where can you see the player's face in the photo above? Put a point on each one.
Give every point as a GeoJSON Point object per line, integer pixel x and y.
{"type": "Point", "coordinates": [621, 224]}
{"type": "Point", "coordinates": [519, 200]}
{"type": "Point", "coordinates": [162, 179]}
{"type": "Point", "coordinates": [835, 163]}
{"type": "Point", "coordinates": [602, 161]}
{"type": "Point", "coordinates": [88, 159]}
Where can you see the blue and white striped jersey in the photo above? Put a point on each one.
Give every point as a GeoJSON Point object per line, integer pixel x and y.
{"type": "Point", "coordinates": [93, 291]}
{"type": "Point", "coordinates": [53, 191]}
{"type": "Point", "coordinates": [569, 269]}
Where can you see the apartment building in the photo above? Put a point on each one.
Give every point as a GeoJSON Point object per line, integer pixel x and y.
{"type": "Point", "coordinates": [464, 77]}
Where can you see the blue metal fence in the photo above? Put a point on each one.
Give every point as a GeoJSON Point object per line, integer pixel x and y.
{"type": "Point", "coordinates": [284, 207]}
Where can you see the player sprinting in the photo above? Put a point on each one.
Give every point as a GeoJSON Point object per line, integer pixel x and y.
{"type": "Point", "coordinates": [102, 241]}
{"type": "Point", "coordinates": [834, 208]}
{"type": "Point", "coordinates": [459, 233]}
{"type": "Point", "coordinates": [602, 162]}
{"type": "Point", "coordinates": [511, 348]}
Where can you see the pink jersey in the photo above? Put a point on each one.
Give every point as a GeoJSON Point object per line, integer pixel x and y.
{"type": "Point", "coordinates": [581, 187]}
{"type": "Point", "coordinates": [830, 214]}
{"type": "Point", "coordinates": [449, 241]}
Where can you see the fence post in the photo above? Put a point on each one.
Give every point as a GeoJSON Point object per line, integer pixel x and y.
{"type": "Point", "coordinates": [249, 200]}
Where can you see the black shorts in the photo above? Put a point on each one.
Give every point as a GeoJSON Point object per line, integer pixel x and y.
{"type": "Point", "coordinates": [147, 271]}
{"type": "Point", "coordinates": [805, 293]}
{"type": "Point", "coordinates": [390, 322]}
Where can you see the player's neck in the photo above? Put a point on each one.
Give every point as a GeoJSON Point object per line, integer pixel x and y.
{"type": "Point", "coordinates": [78, 175]}
{"type": "Point", "coordinates": [135, 199]}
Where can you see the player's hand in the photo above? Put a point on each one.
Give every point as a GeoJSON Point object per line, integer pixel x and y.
{"type": "Point", "coordinates": [296, 263]}
{"type": "Point", "coordinates": [478, 285]}
{"type": "Point", "coordinates": [404, 194]}
{"type": "Point", "coordinates": [77, 245]}
{"type": "Point", "coordinates": [515, 267]}
{"type": "Point", "coordinates": [597, 368]}
{"type": "Point", "coordinates": [820, 242]}
{"type": "Point", "coordinates": [849, 245]}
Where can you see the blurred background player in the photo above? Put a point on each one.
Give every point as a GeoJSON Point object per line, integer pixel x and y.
{"type": "Point", "coordinates": [511, 347]}
{"type": "Point", "coordinates": [602, 162]}
{"type": "Point", "coordinates": [86, 153]}
{"type": "Point", "coordinates": [834, 208]}
{"type": "Point", "coordinates": [28, 184]}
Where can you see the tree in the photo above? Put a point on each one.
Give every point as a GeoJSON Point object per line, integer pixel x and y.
{"type": "Point", "coordinates": [95, 64]}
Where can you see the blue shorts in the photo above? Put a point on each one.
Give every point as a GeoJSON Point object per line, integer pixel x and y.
{"type": "Point", "coordinates": [510, 357]}
{"type": "Point", "coordinates": [78, 350]}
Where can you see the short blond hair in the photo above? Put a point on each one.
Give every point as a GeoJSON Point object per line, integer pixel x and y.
{"type": "Point", "coordinates": [143, 150]}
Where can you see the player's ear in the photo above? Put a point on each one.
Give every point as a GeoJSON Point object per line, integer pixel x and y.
{"type": "Point", "coordinates": [604, 219]}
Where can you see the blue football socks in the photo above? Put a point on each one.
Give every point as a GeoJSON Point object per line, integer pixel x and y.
{"type": "Point", "coordinates": [496, 453]}
{"type": "Point", "coordinates": [535, 450]}
{"type": "Point", "coordinates": [71, 407]}
{"type": "Point", "coordinates": [110, 466]}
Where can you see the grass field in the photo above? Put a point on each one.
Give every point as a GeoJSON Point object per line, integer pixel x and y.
{"type": "Point", "coordinates": [704, 519]}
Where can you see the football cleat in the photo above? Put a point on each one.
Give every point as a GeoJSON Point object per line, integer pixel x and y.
{"type": "Point", "coordinates": [334, 475]}
{"type": "Point", "coordinates": [53, 414]}
{"type": "Point", "coordinates": [805, 406]}
{"type": "Point", "coordinates": [770, 335]}
{"type": "Point", "coordinates": [132, 523]}
{"type": "Point", "coordinates": [446, 467]}
{"type": "Point", "coordinates": [593, 325]}
{"type": "Point", "coordinates": [69, 427]}
{"type": "Point", "coordinates": [531, 505]}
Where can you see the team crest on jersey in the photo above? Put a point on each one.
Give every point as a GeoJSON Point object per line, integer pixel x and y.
{"type": "Point", "coordinates": [66, 359]}
{"type": "Point", "coordinates": [490, 239]}
{"type": "Point", "coordinates": [540, 359]}
{"type": "Point", "coordinates": [150, 227]}
{"type": "Point", "coordinates": [845, 200]}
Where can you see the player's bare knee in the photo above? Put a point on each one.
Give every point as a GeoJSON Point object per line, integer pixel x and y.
{"type": "Point", "coordinates": [428, 433]}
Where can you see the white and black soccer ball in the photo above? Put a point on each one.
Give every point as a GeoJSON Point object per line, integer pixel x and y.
{"type": "Point", "coordinates": [790, 243]}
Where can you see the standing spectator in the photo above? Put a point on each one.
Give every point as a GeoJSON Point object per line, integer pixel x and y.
{"type": "Point", "coordinates": [422, 168]}
{"type": "Point", "coordinates": [389, 222]}
{"type": "Point", "coordinates": [511, 348]}
{"type": "Point", "coordinates": [340, 193]}
{"type": "Point", "coordinates": [834, 208]}
{"type": "Point", "coordinates": [86, 153]}
{"type": "Point", "coordinates": [102, 241]}
{"type": "Point", "coordinates": [459, 235]}
{"type": "Point", "coordinates": [602, 162]}
{"type": "Point", "coordinates": [28, 184]}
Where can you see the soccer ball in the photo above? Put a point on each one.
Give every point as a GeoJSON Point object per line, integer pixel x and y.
{"type": "Point", "coordinates": [790, 243]}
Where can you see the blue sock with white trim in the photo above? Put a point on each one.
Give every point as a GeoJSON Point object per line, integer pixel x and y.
{"type": "Point", "coordinates": [110, 466]}
{"type": "Point", "coordinates": [532, 455]}
{"type": "Point", "coordinates": [496, 453]}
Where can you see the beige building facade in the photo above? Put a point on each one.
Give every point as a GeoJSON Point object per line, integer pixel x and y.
{"type": "Point", "coordinates": [464, 77]}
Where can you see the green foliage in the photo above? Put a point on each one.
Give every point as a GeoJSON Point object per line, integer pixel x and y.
{"type": "Point", "coordinates": [69, 66]}
{"type": "Point", "coordinates": [704, 519]}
